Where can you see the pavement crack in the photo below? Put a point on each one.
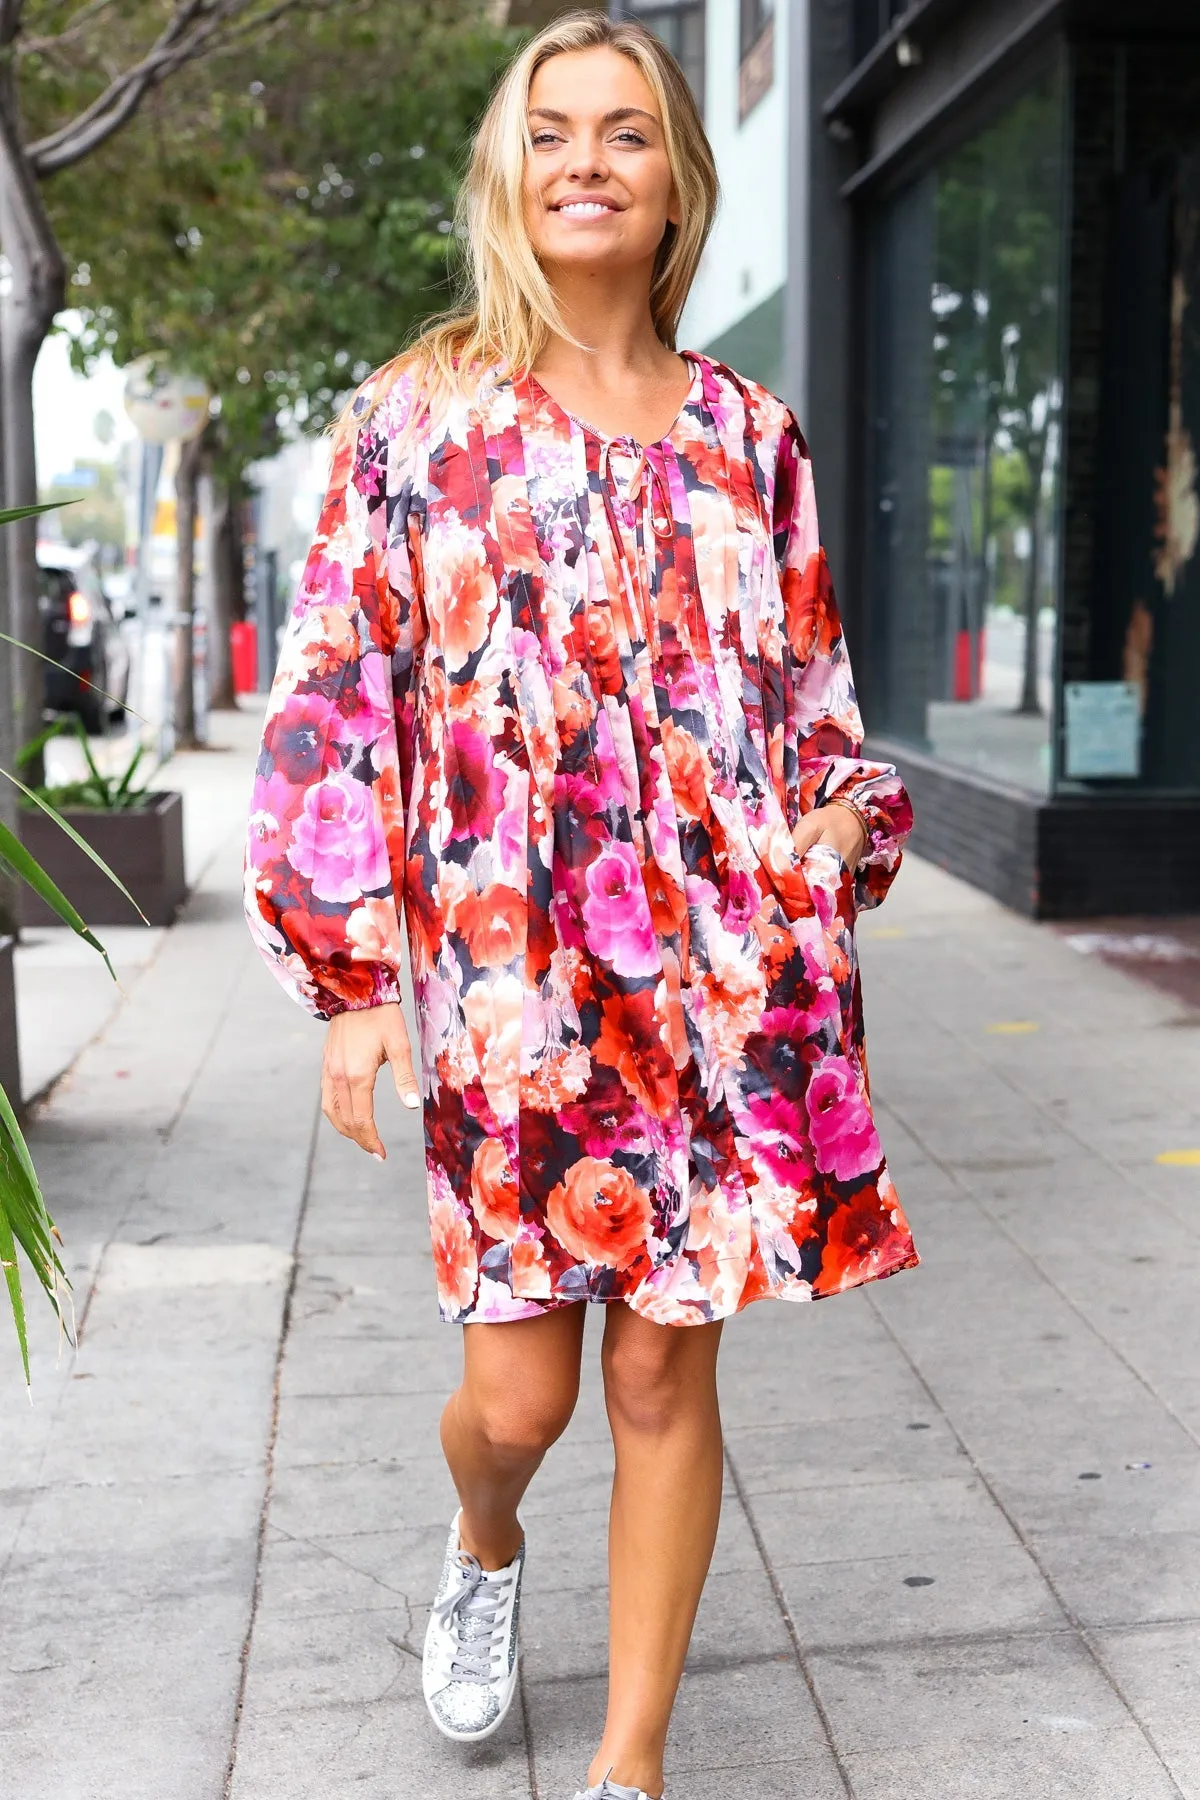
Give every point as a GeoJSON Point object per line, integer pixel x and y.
{"type": "Point", "coordinates": [272, 1441]}
{"type": "Point", "coordinates": [789, 1624]}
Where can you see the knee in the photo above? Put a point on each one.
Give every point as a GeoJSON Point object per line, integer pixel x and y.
{"type": "Point", "coordinates": [520, 1427]}
{"type": "Point", "coordinates": [645, 1381]}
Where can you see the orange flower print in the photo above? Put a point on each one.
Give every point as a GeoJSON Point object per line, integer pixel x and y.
{"type": "Point", "coordinates": [530, 1271]}
{"type": "Point", "coordinates": [494, 1198]}
{"type": "Point", "coordinates": [688, 769]}
{"type": "Point", "coordinates": [455, 1264]}
{"type": "Point", "coordinates": [572, 751]}
{"type": "Point", "coordinates": [493, 925]}
{"type": "Point", "coordinates": [466, 601]}
{"type": "Point", "coordinates": [599, 1214]}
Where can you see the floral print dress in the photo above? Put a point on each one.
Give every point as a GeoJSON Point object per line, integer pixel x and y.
{"type": "Point", "coordinates": [563, 698]}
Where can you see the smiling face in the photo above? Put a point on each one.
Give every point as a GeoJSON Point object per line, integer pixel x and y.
{"type": "Point", "coordinates": [598, 184]}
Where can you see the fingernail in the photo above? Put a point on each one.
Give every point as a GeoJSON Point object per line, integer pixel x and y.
{"type": "Point", "coordinates": [412, 1102]}
{"type": "Point", "coordinates": [378, 1155]}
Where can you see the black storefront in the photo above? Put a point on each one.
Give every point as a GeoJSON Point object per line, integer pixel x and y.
{"type": "Point", "coordinates": [998, 281]}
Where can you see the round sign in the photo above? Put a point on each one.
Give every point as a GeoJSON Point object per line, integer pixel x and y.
{"type": "Point", "coordinates": [165, 406]}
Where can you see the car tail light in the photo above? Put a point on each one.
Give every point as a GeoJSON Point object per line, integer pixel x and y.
{"type": "Point", "coordinates": [79, 608]}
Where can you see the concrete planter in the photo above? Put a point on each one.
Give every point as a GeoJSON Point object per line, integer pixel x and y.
{"type": "Point", "coordinates": [143, 847]}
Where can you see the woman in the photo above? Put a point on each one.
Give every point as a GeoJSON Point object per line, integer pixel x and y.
{"type": "Point", "coordinates": [565, 677]}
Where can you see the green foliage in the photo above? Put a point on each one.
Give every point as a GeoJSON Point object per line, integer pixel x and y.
{"type": "Point", "coordinates": [97, 512]}
{"type": "Point", "coordinates": [285, 224]}
{"type": "Point", "coordinates": [97, 791]}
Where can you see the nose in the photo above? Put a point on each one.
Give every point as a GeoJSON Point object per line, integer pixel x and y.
{"type": "Point", "coordinates": [585, 160]}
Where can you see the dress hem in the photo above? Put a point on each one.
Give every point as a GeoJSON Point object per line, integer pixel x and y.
{"type": "Point", "coordinates": [535, 1308]}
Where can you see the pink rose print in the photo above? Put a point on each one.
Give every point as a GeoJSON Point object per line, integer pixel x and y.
{"type": "Point", "coordinates": [617, 913]}
{"type": "Point", "coordinates": [778, 1133]}
{"type": "Point", "coordinates": [476, 789]}
{"type": "Point", "coordinates": [843, 1134]}
{"type": "Point", "coordinates": [336, 841]}
{"type": "Point", "coordinates": [742, 903]}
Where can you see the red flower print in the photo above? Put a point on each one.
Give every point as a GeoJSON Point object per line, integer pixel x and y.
{"type": "Point", "coordinates": [599, 1214]}
{"type": "Point", "coordinates": [844, 1139]}
{"type": "Point", "coordinates": [573, 754]}
{"type": "Point", "coordinates": [863, 1239]}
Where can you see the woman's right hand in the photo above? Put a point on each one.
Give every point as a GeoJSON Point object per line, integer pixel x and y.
{"type": "Point", "coordinates": [356, 1047]}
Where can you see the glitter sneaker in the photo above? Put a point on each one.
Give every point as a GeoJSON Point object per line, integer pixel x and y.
{"type": "Point", "coordinates": [469, 1669]}
{"type": "Point", "coordinates": [612, 1790]}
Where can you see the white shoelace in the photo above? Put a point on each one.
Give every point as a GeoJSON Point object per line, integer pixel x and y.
{"type": "Point", "coordinates": [473, 1612]}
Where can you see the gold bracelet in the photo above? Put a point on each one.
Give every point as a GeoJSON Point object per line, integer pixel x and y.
{"type": "Point", "coordinates": [851, 806]}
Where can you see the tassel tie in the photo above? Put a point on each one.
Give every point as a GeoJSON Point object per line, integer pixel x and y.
{"type": "Point", "coordinates": [654, 495]}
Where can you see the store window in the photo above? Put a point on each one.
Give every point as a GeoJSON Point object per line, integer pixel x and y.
{"type": "Point", "coordinates": [756, 52]}
{"type": "Point", "coordinates": [966, 448]}
{"type": "Point", "coordinates": [681, 28]}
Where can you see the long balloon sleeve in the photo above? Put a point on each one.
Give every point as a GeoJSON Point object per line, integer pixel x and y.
{"type": "Point", "coordinates": [325, 851]}
{"type": "Point", "coordinates": [825, 730]}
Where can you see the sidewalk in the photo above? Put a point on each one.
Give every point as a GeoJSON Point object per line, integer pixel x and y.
{"type": "Point", "coordinates": [960, 1554]}
{"type": "Point", "coordinates": [65, 995]}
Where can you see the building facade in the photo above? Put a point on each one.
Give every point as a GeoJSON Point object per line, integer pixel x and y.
{"type": "Point", "coordinates": [1003, 347]}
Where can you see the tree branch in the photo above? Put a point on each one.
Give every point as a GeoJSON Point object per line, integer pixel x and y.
{"type": "Point", "coordinates": [54, 40]}
{"type": "Point", "coordinates": [196, 28]}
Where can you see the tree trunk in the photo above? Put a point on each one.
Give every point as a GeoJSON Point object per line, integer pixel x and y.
{"type": "Point", "coordinates": [37, 291]}
{"type": "Point", "coordinates": [221, 528]}
{"type": "Point", "coordinates": [1030, 704]}
{"type": "Point", "coordinates": [9, 886]}
{"type": "Point", "coordinates": [187, 482]}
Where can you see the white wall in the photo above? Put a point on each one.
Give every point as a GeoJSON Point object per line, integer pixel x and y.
{"type": "Point", "coordinates": [746, 257]}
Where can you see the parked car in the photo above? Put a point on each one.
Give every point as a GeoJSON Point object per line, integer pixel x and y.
{"type": "Point", "coordinates": [82, 631]}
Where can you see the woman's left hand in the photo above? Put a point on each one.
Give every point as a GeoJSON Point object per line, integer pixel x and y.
{"type": "Point", "coordinates": [835, 825]}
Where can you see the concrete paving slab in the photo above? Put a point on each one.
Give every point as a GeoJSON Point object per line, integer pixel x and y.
{"type": "Point", "coordinates": [388, 1751]}
{"type": "Point", "coordinates": [905, 1518]}
{"type": "Point", "coordinates": [927, 1695]}
{"type": "Point", "coordinates": [1069, 1764]}
{"type": "Point", "coordinates": [1157, 1669]}
{"type": "Point", "coordinates": [875, 1449]}
{"type": "Point", "coordinates": [943, 1593]}
{"type": "Point", "coordinates": [1132, 1577]}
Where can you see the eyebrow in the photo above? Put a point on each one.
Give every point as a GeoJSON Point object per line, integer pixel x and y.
{"type": "Point", "coordinates": [610, 118]}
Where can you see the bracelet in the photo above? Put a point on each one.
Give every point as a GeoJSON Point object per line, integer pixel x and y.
{"type": "Point", "coordinates": [860, 815]}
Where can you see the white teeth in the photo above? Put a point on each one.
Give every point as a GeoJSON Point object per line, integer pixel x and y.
{"type": "Point", "coordinates": [585, 209]}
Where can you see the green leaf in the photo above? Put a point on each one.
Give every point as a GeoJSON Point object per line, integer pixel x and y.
{"type": "Point", "coordinates": [22, 863]}
{"type": "Point", "coordinates": [83, 845]}
{"type": "Point", "coordinates": [13, 513]}
{"type": "Point", "coordinates": [12, 1277]}
{"type": "Point", "coordinates": [25, 1221]}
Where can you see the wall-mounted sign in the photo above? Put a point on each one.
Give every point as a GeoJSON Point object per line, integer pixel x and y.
{"type": "Point", "coordinates": [1104, 730]}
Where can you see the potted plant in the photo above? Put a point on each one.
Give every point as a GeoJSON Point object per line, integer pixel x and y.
{"type": "Point", "coordinates": [135, 830]}
{"type": "Point", "coordinates": [24, 1218]}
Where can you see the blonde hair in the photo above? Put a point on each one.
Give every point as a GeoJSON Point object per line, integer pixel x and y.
{"type": "Point", "coordinates": [506, 308]}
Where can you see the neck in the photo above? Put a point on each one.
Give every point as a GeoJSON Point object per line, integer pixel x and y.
{"type": "Point", "coordinates": [609, 311]}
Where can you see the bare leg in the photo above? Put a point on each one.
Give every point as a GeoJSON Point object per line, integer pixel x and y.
{"type": "Point", "coordinates": [520, 1383]}
{"type": "Point", "coordinates": [661, 1392]}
